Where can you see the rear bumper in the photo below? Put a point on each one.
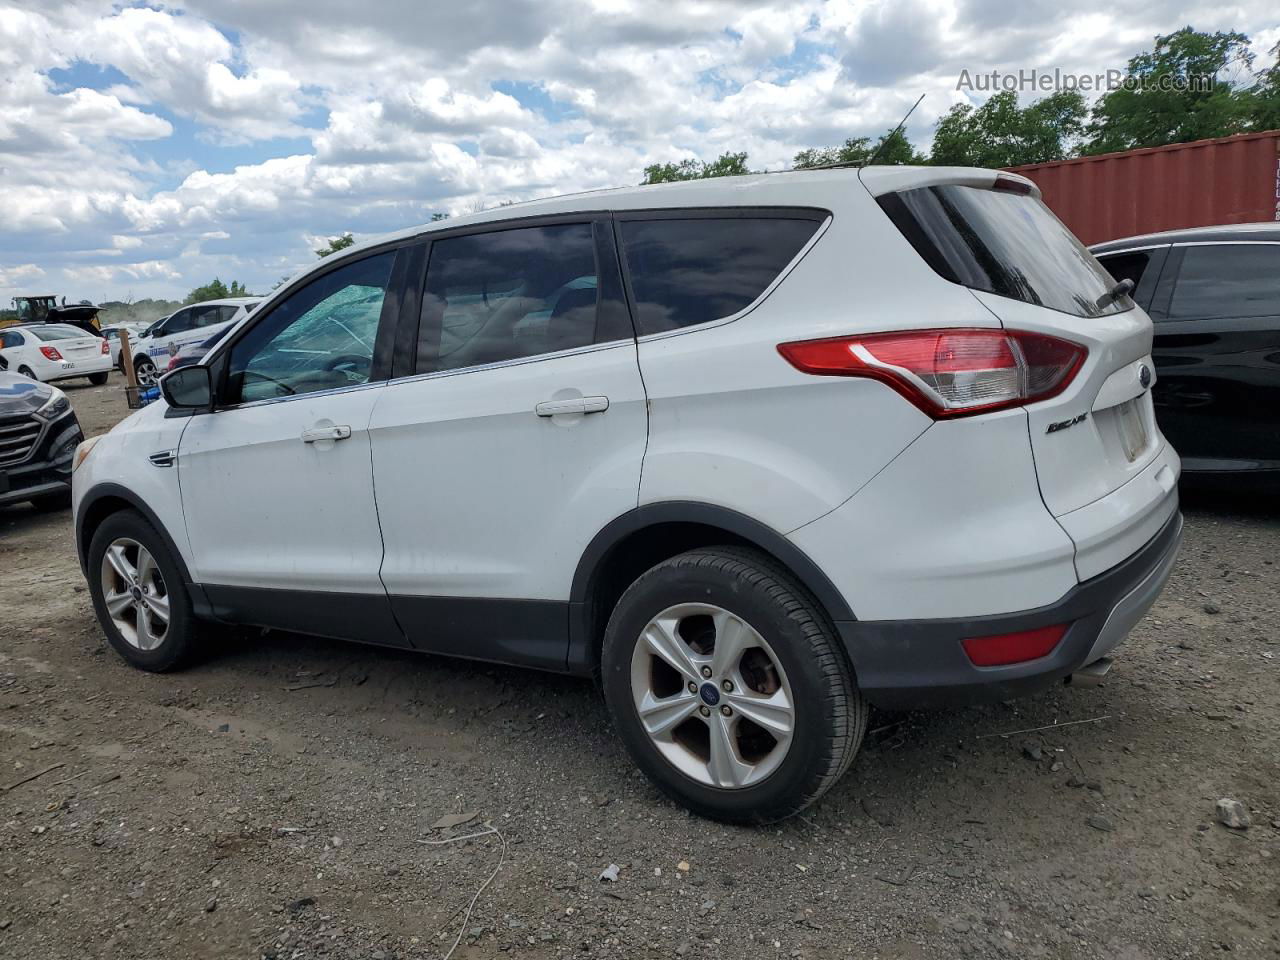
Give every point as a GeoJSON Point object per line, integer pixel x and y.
{"type": "Point", "coordinates": [66, 369]}
{"type": "Point", "coordinates": [920, 663]}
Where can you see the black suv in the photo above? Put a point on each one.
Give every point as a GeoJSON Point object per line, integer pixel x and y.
{"type": "Point", "coordinates": [1214, 294]}
{"type": "Point", "coordinates": [38, 437]}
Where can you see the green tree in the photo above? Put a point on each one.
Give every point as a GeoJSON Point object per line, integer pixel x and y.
{"type": "Point", "coordinates": [1182, 90]}
{"type": "Point", "coordinates": [1001, 134]}
{"type": "Point", "coordinates": [335, 244]}
{"type": "Point", "coordinates": [897, 149]}
{"type": "Point", "coordinates": [215, 291]}
{"type": "Point", "coordinates": [725, 165]}
{"type": "Point", "coordinates": [210, 291]}
{"type": "Point", "coordinates": [1262, 102]}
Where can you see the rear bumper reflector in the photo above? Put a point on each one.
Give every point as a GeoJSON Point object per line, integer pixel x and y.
{"type": "Point", "coordinates": [1005, 648]}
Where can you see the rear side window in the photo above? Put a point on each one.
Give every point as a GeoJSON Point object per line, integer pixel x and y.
{"type": "Point", "coordinates": [687, 271]}
{"type": "Point", "coordinates": [508, 295]}
{"type": "Point", "coordinates": [1228, 280]}
{"type": "Point", "coordinates": [1004, 243]}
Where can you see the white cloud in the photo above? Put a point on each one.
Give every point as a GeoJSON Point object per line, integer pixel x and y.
{"type": "Point", "coordinates": [153, 162]}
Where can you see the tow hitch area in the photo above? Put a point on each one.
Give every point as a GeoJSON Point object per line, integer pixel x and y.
{"type": "Point", "coordinates": [1091, 674]}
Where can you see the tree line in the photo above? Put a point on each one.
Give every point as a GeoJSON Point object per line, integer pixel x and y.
{"type": "Point", "coordinates": [1158, 103]}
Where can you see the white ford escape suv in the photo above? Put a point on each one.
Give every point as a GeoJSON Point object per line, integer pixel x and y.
{"type": "Point", "coordinates": [757, 451]}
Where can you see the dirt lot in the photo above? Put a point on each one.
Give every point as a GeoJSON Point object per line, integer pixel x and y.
{"type": "Point", "coordinates": [270, 801]}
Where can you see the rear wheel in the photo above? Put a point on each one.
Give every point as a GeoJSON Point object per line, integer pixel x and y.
{"type": "Point", "coordinates": [727, 684]}
{"type": "Point", "coordinates": [139, 595]}
{"type": "Point", "coordinates": [146, 372]}
{"type": "Point", "coordinates": [98, 379]}
{"type": "Point", "coordinates": [28, 372]}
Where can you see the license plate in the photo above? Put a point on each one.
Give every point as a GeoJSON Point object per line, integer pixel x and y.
{"type": "Point", "coordinates": [68, 365]}
{"type": "Point", "coordinates": [1133, 427]}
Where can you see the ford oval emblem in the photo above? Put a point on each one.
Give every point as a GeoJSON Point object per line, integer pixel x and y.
{"type": "Point", "coordinates": [1144, 376]}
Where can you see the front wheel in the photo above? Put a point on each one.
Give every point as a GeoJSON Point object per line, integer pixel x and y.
{"type": "Point", "coordinates": [146, 373]}
{"type": "Point", "coordinates": [727, 684]}
{"type": "Point", "coordinates": [139, 595]}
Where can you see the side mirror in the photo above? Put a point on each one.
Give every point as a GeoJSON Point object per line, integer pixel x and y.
{"type": "Point", "coordinates": [188, 388]}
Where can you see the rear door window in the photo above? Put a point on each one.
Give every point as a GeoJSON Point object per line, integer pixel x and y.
{"type": "Point", "coordinates": [1227, 280]}
{"type": "Point", "coordinates": [507, 295]}
{"type": "Point", "coordinates": [689, 271]}
{"type": "Point", "coordinates": [1003, 242]}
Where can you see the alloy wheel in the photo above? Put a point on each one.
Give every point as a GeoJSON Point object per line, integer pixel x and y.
{"type": "Point", "coordinates": [135, 594]}
{"type": "Point", "coordinates": [712, 696]}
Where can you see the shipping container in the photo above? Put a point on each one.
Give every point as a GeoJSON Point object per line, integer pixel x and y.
{"type": "Point", "coordinates": [1199, 184]}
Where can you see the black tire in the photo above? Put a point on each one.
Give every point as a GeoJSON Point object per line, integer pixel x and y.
{"type": "Point", "coordinates": [182, 638]}
{"type": "Point", "coordinates": [28, 373]}
{"type": "Point", "coordinates": [98, 379]}
{"type": "Point", "coordinates": [52, 502]}
{"type": "Point", "coordinates": [830, 714]}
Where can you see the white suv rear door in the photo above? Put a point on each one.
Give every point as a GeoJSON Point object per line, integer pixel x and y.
{"type": "Point", "coordinates": [516, 436]}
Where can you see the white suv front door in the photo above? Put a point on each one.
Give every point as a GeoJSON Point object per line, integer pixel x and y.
{"type": "Point", "coordinates": [277, 486]}
{"type": "Point", "coordinates": [520, 437]}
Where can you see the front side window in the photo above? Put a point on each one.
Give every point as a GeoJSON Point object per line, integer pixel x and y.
{"type": "Point", "coordinates": [319, 338]}
{"type": "Point", "coordinates": [1228, 280]}
{"type": "Point", "coordinates": [507, 295]}
{"type": "Point", "coordinates": [180, 322]}
{"type": "Point", "coordinates": [689, 271]}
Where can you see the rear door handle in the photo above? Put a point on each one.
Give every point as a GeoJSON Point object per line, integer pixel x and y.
{"type": "Point", "coordinates": [550, 408]}
{"type": "Point", "coordinates": [315, 434]}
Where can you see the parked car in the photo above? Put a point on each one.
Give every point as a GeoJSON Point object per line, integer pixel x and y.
{"type": "Point", "coordinates": [195, 352]}
{"type": "Point", "coordinates": [39, 434]}
{"type": "Point", "coordinates": [190, 325]}
{"type": "Point", "coordinates": [1214, 294]}
{"type": "Point", "coordinates": [756, 451]}
{"type": "Point", "coordinates": [111, 334]}
{"type": "Point", "coordinates": [54, 351]}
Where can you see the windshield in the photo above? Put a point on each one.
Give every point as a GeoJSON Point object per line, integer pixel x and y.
{"type": "Point", "coordinates": [1003, 242]}
{"type": "Point", "coordinates": [58, 331]}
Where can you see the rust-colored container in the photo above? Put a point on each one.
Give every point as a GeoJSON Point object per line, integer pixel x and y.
{"type": "Point", "coordinates": [1198, 184]}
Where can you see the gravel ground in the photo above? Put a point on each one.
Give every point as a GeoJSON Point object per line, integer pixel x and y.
{"type": "Point", "coordinates": [272, 800]}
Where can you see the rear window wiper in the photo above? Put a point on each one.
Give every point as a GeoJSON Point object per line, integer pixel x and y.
{"type": "Point", "coordinates": [1122, 289]}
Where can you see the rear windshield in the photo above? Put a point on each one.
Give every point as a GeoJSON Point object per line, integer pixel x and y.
{"type": "Point", "coordinates": [1004, 243]}
{"type": "Point", "coordinates": [57, 331]}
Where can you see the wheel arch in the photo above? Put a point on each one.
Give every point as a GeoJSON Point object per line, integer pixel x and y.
{"type": "Point", "coordinates": [102, 501]}
{"type": "Point", "coordinates": [650, 534]}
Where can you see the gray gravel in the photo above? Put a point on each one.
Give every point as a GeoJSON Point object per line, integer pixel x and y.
{"type": "Point", "coordinates": [213, 813]}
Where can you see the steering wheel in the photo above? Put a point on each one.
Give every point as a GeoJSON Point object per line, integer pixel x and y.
{"type": "Point", "coordinates": [357, 366]}
{"type": "Point", "coordinates": [284, 387]}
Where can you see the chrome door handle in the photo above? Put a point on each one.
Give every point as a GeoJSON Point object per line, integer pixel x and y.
{"type": "Point", "coordinates": [315, 434]}
{"type": "Point", "coordinates": [550, 408]}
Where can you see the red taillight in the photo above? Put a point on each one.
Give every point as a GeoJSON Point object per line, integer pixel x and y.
{"type": "Point", "coordinates": [51, 353]}
{"type": "Point", "coordinates": [106, 347]}
{"type": "Point", "coordinates": [1006, 648]}
{"type": "Point", "coordinates": [949, 373]}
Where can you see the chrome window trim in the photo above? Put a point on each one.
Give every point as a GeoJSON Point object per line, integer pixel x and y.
{"type": "Point", "coordinates": [764, 295]}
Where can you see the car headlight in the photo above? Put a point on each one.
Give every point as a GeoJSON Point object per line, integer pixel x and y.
{"type": "Point", "coordinates": [55, 406]}
{"type": "Point", "coordinates": [83, 451]}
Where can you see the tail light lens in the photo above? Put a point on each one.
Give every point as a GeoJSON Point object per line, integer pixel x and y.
{"type": "Point", "coordinates": [949, 373]}
{"type": "Point", "coordinates": [106, 347]}
{"type": "Point", "coordinates": [1006, 648]}
{"type": "Point", "coordinates": [51, 353]}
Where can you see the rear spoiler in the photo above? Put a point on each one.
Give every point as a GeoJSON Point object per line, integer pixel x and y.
{"type": "Point", "coordinates": [882, 180]}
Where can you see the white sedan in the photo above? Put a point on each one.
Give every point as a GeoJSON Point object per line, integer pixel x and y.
{"type": "Point", "coordinates": [54, 351]}
{"type": "Point", "coordinates": [112, 335]}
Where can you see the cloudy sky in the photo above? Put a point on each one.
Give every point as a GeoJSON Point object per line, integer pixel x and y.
{"type": "Point", "coordinates": [146, 148]}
